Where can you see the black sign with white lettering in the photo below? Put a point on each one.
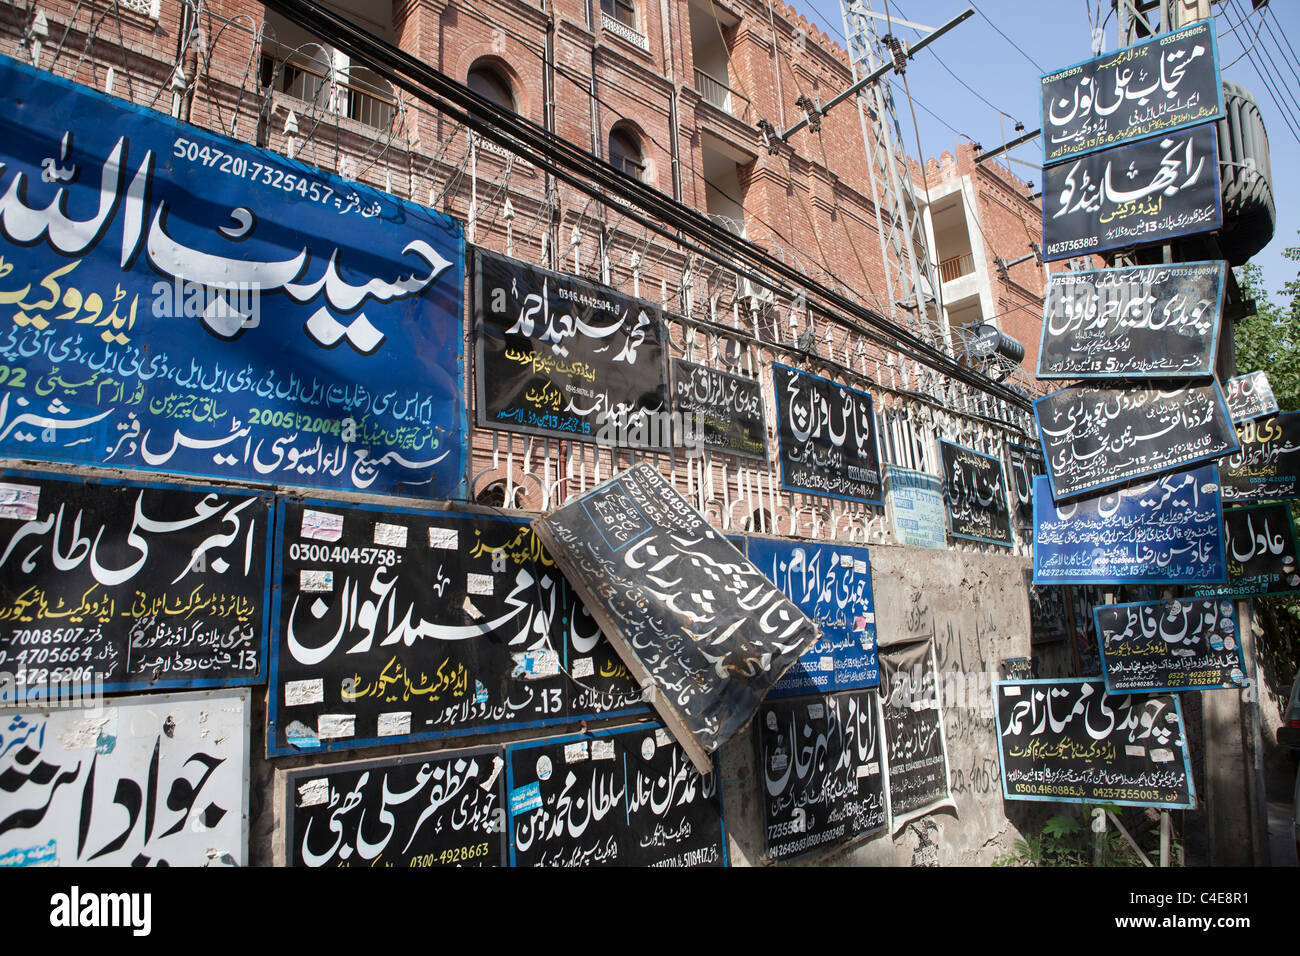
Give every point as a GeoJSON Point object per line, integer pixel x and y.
{"type": "Point", "coordinates": [823, 772]}
{"type": "Point", "coordinates": [1267, 465]}
{"type": "Point", "coordinates": [827, 435]}
{"type": "Point", "coordinates": [694, 621]}
{"type": "Point", "coordinates": [1096, 438]}
{"type": "Point", "coordinates": [1134, 322]}
{"type": "Point", "coordinates": [564, 357]}
{"type": "Point", "coordinates": [613, 798]}
{"type": "Point", "coordinates": [1250, 396]}
{"type": "Point", "coordinates": [1133, 195]}
{"type": "Point", "coordinates": [719, 411]}
{"type": "Point", "coordinates": [1259, 542]}
{"type": "Point", "coordinates": [140, 586]}
{"type": "Point", "coordinates": [975, 495]}
{"type": "Point", "coordinates": [398, 624]}
{"type": "Point", "coordinates": [438, 809]}
{"type": "Point", "coordinates": [1178, 645]}
{"type": "Point", "coordinates": [913, 728]}
{"type": "Point", "coordinates": [1068, 741]}
{"type": "Point", "coordinates": [1026, 463]}
{"type": "Point", "coordinates": [1156, 86]}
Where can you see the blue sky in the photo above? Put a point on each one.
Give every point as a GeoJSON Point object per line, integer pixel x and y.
{"type": "Point", "coordinates": [1045, 35]}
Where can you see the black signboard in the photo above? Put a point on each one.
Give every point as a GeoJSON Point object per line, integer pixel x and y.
{"type": "Point", "coordinates": [425, 810]}
{"type": "Point", "coordinates": [1250, 396]}
{"type": "Point", "coordinates": [140, 586]}
{"type": "Point", "coordinates": [1259, 542]}
{"type": "Point", "coordinates": [613, 798]}
{"type": "Point", "coordinates": [1026, 463]}
{"type": "Point", "coordinates": [397, 624]}
{"type": "Point", "coordinates": [1096, 438]}
{"type": "Point", "coordinates": [1049, 618]}
{"type": "Point", "coordinates": [823, 771]}
{"type": "Point", "coordinates": [913, 726]}
{"type": "Point", "coordinates": [827, 435]}
{"type": "Point", "coordinates": [1158, 85]}
{"type": "Point", "coordinates": [1184, 644]}
{"type": "Point", "coordinates": [975, 495]}
{"type": "Point", "coordinates": [1068, 741]}
{"type": "Point", "coordinates": [695, 622]}
{"type": "Point", "coordinates": [718, 411]}
{"type": "Point", "coordinates": [1157, 321]}
{"type": "Point", "coordinates": [1267, 465]}
{"type": "Point", "coordinates": [561, 356]}
{"type": "Point", "coordinates": [1133, 195]}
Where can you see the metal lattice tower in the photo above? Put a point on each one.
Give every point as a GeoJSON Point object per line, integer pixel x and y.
{"type": "Point", "coordinates": [910, 274]}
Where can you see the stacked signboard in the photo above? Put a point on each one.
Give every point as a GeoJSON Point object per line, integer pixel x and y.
{"type": "Point", "coordinates": [1143, 448]}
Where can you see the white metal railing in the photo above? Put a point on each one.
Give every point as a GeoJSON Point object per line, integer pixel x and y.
{"type": "Point", "coordinates": [719, 94]}
{"type": "Point", "coordinates": [623, 30]}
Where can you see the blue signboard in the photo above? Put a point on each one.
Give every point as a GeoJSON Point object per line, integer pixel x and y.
{"type": "Point", "coordinates": [831, 583]}
{"type": "Point", "coordinates": [176, 301]}
{"type": "Point", "coordinates": [1166, 531]}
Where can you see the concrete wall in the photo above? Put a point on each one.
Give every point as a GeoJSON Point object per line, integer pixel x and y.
{"type": "Point", "coordinates": [975, 606]}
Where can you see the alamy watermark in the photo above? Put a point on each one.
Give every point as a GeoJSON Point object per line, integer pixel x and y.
{"type": "Point", "coordinates": [75, 690]}
{"type": "Point", "coordinates": [645, 429]}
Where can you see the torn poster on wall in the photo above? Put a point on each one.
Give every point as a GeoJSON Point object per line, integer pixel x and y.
{"type": "Point", "coordinates": [561, 356]}
{"type": "Point", "coordinates": [914, 736]}
{"type": "Point", "coordinates": [1266, 466]}
{"type": "Point", "coordinates": [975, 494]}
{"type": "Point", "coordinates": [1260, 544]}
{"type": "Point", "coordinates": [1145, 192]}
{"type": "Point", "coordinates": [131, 586]}
{"type": "Point", "coordinates": [914, 503]}
{"type": "Point", "coordinates": [141, 256]}
{"type": "Point", "coordinates": [1068, 741]}
{"type": "Point", "coordinates": [832, 585]}
{"type": "Point", "coordinates": [1095, 438]}
{"type": "Point", "coordinates": [696, 623]}
{"type": "Point", "coordinates": [827, 437]}
{"type": "Point", "coordinates": [1249, 396]}
{"type": "Point", "coordinates": [718, 411]}
{"type": "Point", "coordinates": [1159, 85]}
{"type": "Point", "coordinates": [627, 797]}
{"type": "Point", "coordinates": [1166, 531]}
{"type": "Point", "coordinates": [823, 767]}
{"type": "Point", "coordinates": [1183, 644]}
{"type": "Point", "coordinates": [395, 624]}
{"type": "Point", "coordinates": [1158, 321]}
{"type": "Point", "coordinates": [1026, 464]}
{"type": "Point", "coordinates": [157, 780]}
{"type": "Point", "coordinates": [423, 810]}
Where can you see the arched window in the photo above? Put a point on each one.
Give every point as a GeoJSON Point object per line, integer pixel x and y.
{"type": "Point", "coordinates": [625, 152]}
{"type": "Point", "coordinates": [624, 11]}
{"type": "Point", "coordinates": [491, 84]}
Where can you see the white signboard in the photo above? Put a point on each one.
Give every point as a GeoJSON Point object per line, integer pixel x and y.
{"type": "Point", "coordinates": [147, 780]}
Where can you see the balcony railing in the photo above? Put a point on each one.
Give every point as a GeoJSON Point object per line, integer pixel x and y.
{"type": "Point", "coordinates": [307, 78]}
{"type": "Point", "coordinates": [619, 29]}
{"type": "Point", "coordinates": [722, 96]}
{"type": "Point", "coordinates": [956, 267]}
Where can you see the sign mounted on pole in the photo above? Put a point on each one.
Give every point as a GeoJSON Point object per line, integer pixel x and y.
{"type": "Point", "coordinates": [827, 436]}
{"type": "Point", "coordinates": [1250, 396]}
{"type": "Point", "coordinates": [1156, 86]}
{"type": "Point", "coordinates": [1266, 466]}
{"type": "Point", "coordinates": [1178, 645]}
{"type": "Point", "coordinates": [1168, 531]}
{"type": "Point", "coordinates": [1146, 192]}
{"type": "Point", "coordinates": [1068, 741]}
{"type": "Point", "coordinates": [698, 626]}
{"type": "Point", "coordinates": [1026, 464]}
{"type": "Point", "coordinates": [563, 357]}
{"type": "Point", "coordinates": [205, 307]}
{"type": "Point", "coordinates": [1157, 321]}
{"type": "Point", "coordinates": [1260, 543]}
{"type": "Point", "coordinates": [1095, 438]}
